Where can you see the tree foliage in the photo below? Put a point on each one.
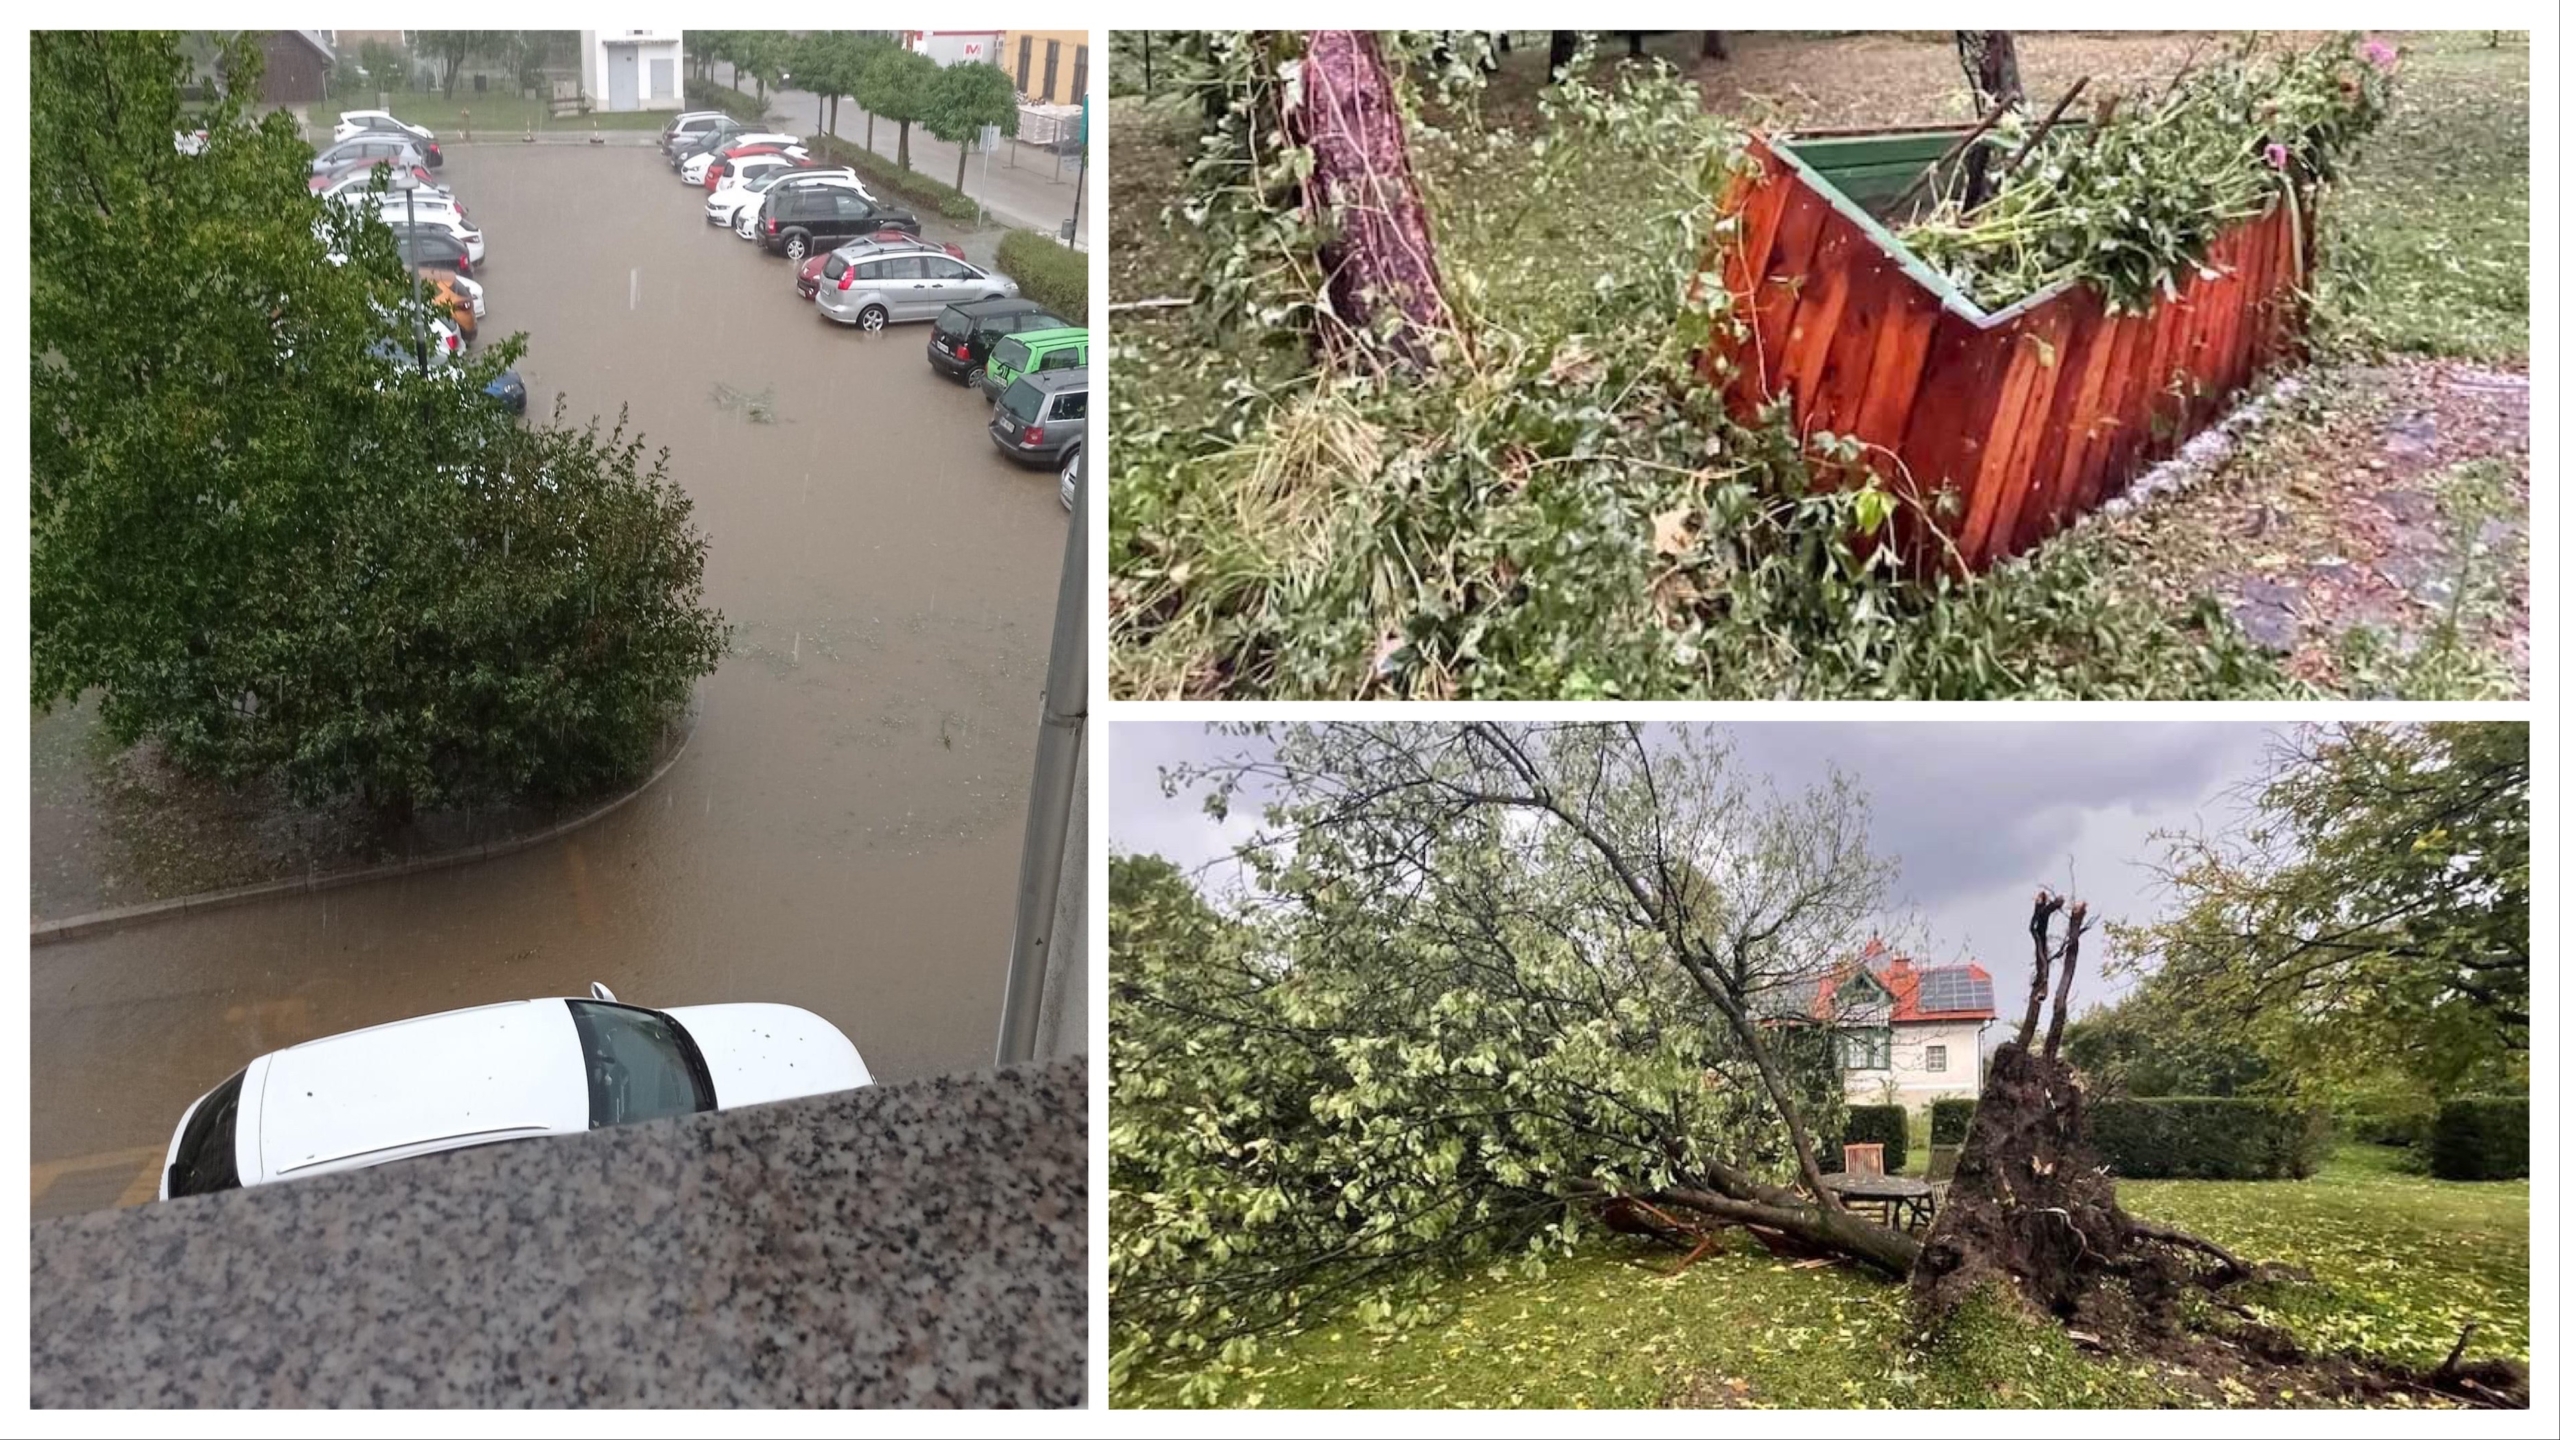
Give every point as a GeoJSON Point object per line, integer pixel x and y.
{"type": "Point", "coordinates": [897, 86]}
{"type": "Point", "coordinates": [452, 47]}
{"type": "Point", "coordinates": [1484, 972]}
{"type": "Point", "coordinates": [265, 539]}
{"type": "Point", "coordinates": [964, 99]}
{"type": "Point", "coordinates": [2370, 914]}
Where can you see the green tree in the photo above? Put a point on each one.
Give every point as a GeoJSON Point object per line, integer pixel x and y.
{"type": "Point", "coordinates": [963, 100]}
{"type": "Point", "coordinates": [266, 540]}
{"type": "Point", "coordinates": [2369, 913]}
{"type": "Point", "coordinates": [452, 47]}
{"type": "Point", "coordinates": [897, 86]}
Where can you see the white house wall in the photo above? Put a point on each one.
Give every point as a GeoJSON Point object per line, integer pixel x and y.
{"type": "Point", "coordinates": [594, 71]}
{"type": "Point", "coordinates": [1909, 1081]}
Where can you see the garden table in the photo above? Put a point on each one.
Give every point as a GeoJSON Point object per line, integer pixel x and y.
{"type": "Point", "coordinates": [1898, 1194]}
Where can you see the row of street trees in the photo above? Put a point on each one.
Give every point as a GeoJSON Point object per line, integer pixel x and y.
{"type": "Point", "coordinates": [262, 538]}
{"type": "Point", "coordinates": [884, 78]}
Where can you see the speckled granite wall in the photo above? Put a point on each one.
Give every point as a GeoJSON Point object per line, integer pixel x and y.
{"type": "Point", "coordinates": [915, 1244]}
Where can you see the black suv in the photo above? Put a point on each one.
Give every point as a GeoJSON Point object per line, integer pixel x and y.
{"type": "Point", "coordinates": [800, 221]}
{"type": "Point", "coordinates": [964, 334]}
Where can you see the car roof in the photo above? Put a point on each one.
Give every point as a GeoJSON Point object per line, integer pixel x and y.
{"type": "Point", "coordinates": [1057, 379]}
{"type": "Point", "coordinates": [995, 305]}
{"type": "Point", "coordinates": [462, 1077]}
{"type": "Point", "coordinates": [1054, 335]}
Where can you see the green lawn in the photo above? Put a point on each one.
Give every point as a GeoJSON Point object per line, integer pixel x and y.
{"type": "Point", "coordinates": [2398, 1262]}
{"type": "Point", "coordinates": [491, 114]}
{"type": "Point", "coordinates": [2439, 203]}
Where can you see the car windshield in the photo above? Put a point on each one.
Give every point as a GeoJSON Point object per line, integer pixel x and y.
{"type": "Point", "coordinates": [1012, 354]}
{"type": "Point", "coordinates": [640, 1065]}
{"type": "Point", "coordinates": [208, 1156]}
{"type": "Point", "coordinates": [953, 321]}
{"type": "Point", "coordinates": [1022, 401]}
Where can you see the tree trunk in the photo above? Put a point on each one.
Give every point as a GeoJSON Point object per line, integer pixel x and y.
{"type": "Point", "coordinates": [902, 145]}
{"type": "Point", "coordinates": [1990, 61]}
{"type": "Point", "coordinates": [1383, 272]}
{"type": "Point", "coordinates": [960, 182]}
{"type": "Point", "coordinates": [1712, 47]}
{"type": "Point", "coordinates": [1560, 47]}
{"type": "Point", "coordinates": [870, 131]}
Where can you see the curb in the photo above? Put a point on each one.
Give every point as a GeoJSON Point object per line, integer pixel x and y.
{"type": "Point", "coordinates": [101, 922]}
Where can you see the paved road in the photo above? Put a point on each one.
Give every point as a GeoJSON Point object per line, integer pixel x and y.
{"type": "Point", "coordinates": [1026, 187]}
{"type": "Point", "coordinates": [844, 831]}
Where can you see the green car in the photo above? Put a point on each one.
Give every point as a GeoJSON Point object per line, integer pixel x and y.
{"type": "Point", "coordinates": [1029, 352]}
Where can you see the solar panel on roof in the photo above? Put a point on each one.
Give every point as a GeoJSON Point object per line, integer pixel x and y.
{"type": "Point", "coordinates": [1954, 990]}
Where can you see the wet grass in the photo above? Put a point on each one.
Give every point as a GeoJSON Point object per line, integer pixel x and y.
{"type": "Point", "coordinates": [2439, 204]}
{"type": "Point", "coordinates": [2400, 1262]}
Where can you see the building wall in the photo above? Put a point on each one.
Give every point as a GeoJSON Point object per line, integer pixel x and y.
{"type": "Point", "coordinates": [294, 73]}
{"type": "Point", "coordinates": [1040, 88]}
{"type": "Point", "coordinates": [1908, 1080]}
{"type": "Point", "coordinates": [594, 71]}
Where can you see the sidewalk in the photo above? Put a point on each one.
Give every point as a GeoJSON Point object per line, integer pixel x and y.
{"type": "Point", "coordinates": [1014, 184]}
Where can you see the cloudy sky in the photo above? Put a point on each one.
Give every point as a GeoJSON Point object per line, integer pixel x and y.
{"type": "Point", "coordinates": [1978, 814]}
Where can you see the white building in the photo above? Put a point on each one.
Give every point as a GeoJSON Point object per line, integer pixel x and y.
{"type": "Point", "coordinates": [1907, 1034]}
{"type": "Point", "coordinates": [632, 69]}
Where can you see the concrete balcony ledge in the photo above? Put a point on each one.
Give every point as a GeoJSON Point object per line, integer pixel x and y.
{"type": "Point", "coordinates": [920, 1244]}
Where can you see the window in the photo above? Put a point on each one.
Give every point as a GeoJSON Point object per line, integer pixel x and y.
{"type": "Point", "coordinates": [1049, 74]}
{"type": "Point", "coordinates": [943, 267]}
{"type": "Point", "coordinates": [870, 269]}
{"type": "Point", "coordinates": [849, 206]}
{"type": "Point", "coordinates": [208, 1155]}
{"type": "Point", "coordinates": [1068, 407]}
{"type": "Point", "coordinates": [1077, 96]}
{"type": "Point", "coordinates": [905, 267]}
{"type": "Point", "coordinates": [1065, 357]}
{"type": "Point", "coordinates": [1022, 68]}
{"type": "Point", "coordinates": [1867, 1047]}
{"type": "Point", "coordinates": [640, 1065]}
{"type": "Point", "coordinates": [1936, 1059]}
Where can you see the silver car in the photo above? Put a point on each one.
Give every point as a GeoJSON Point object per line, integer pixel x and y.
{"type": "Point", "coordinates": [887, 289]}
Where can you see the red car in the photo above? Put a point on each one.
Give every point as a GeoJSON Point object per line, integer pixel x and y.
{"type": "Point", "coordinates": [820, 268]}
{"type": "Point", "coordinates": [720, 165]}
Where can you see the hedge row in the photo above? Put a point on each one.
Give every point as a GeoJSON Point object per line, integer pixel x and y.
{"type": "Point", "coordinates": [736, 104]}
{"type": "Point", "coordinates": [1950, 1120]}
{"type": "Point", "coordinates": [2202, 1138]}
{"type": "Point", "coordinates": [1049, 272]}
{"type": "Point", "coordinates": [1886, 1125]}
{"type": "Point", "coordinates": [2482, 1137]}
{"type": "Point", "coordinates": [882, 173]}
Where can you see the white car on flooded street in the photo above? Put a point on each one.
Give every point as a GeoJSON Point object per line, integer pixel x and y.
{"type": "Point", "coordinates": [495, 1073]}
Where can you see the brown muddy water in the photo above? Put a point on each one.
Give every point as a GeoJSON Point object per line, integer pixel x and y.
{"type": "Point", "coordinates": [842, 833]}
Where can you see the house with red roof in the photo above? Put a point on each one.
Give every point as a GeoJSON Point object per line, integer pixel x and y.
{"type": "Point", "coordinates": [1907, 1033]}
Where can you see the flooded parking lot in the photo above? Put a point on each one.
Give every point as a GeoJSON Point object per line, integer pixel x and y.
{"type": "Point", "coordinates": [843, 830]}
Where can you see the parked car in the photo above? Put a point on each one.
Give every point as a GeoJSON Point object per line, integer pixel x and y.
{"type": "Point", "coordinates": [399, 210]}
{"type": "Point", "coordinates": [727, 161]}
{"type": "Point", "coordinates": [322, 181]}
{"type": "Point", "coordinates": [192, 142]}
{"type": "Point", "coordinates": [829, 268]}
{"type": "Point", "coordinates": [461, 298]}
{"type": "Point", "coordinates": [692, 123]}
{"type": "Point", "coordinates": [431, 247]}
{"type": "Point", "coordinates": [357, 179]}
{"type": "Point", "coordinates": [685, 147]}
{"type": "Point", "coordinates": [801, 221]}
{"type": "Point", "coordinates": [352, 123]}
{"type": "Point", "coordinates": [1029, 352]}
{"type": "Point", "coordinates": [1041, 417]}
{"type": "Point", "coordinates": [1070, 475]}
{"type": "Point", "coordinates": [749, 217]}
{"type": "Point", "coordinates": [739, 172]}
{"type": "Point", "coordinates": [491, 1074]}
{"type": "Point", "coordinates": [917, 285]}
{"type": "Point", "coordinates": [697, 165]}
{"type": "Point", "coordinates": [727, 205]}
{"type": "Point", "coordinates": [964, 335]}
{"type": "Point", "coordinates": [400, 152]}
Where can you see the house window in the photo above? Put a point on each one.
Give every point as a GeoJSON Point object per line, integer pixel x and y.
{"type": "Point", "coordinates": [1937, 1059]}
{"type": "Point", "coordinates": [1865, 1048]}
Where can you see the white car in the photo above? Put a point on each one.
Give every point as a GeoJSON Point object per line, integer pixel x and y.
{"type": "Point", "coordinates": [739, 209]}
{"type": "Point", "coordinates": [742, 171]}
{"type": "Point", "coordinates": [1069, 474]}
{"type": "Point", "coordinates": [698, 167]}
{"type": "Point", "coordinates": [352, 123]}
{"type": "Point", "coordinates": [357, 182]}
{"type": "Point", "coordinates": [495, 1073]}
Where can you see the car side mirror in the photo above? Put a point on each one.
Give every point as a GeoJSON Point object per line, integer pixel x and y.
{"type": "Point", "coordinates": [596, 988]}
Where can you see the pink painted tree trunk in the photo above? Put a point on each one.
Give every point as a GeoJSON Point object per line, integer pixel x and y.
{"type": "Point", "coordinates": [1381, 271]}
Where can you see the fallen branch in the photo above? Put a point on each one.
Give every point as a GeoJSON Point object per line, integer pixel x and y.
{"type": "Point", "coordinates": [1154, 302]}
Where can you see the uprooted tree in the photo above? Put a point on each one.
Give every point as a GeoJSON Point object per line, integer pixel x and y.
{"type": "Point", "coordinates": [1493, 985]}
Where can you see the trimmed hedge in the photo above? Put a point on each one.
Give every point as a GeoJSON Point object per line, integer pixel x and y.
{"type": "Point", "coordinates": [1950, 1120]}
{"type": "Point", "coordinates": [737, 104]}
{"type": "Point", "coordinates": [1048, 271]}
{"type": "Point", "coordinates": [1889, 1125]}
{"type": "Point", "coordinates": [882, 173]}
{"type": "Point", "coordinates": [2181, 1137]}
{"type": "Point", "coordinates": [2482, 1137]}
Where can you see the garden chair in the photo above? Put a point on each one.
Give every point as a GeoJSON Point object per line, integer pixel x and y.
{"type": "Point", "coordinates": [1864, 1161]}
{"type": "Point", "coordinates": [1942, 1173]}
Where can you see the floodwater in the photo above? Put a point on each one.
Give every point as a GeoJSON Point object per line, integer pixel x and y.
{"type": "Point", "coordinates": [843, 831]}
